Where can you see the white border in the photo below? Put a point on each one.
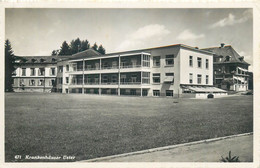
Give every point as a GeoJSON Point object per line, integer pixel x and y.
{"type": "Point", "coordinates": [140, 4]}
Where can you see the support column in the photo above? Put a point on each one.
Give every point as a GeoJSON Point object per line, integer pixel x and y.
{"type": "Point", "coordinates": [99, 89]}
{"type": "Point", "coordinates": [83, 78]}
{"type": "Point", "coordinates": [119, 62]}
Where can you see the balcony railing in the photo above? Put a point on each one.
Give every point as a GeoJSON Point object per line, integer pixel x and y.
{"type": "Point", "coordinates": [110, 67]}
{"type": "Point", "coordinates": [109, 83]}
{"type": "Point", "coordinates": [105, 83]}
{"type": "Point", "coordinates": [130, 83]}
{"type": "Point", "coordinates": [91, 69]}
{"type": "Point", "coordinates": [130, 66]}
{"type": "Point", "coordinates": [75, 69]}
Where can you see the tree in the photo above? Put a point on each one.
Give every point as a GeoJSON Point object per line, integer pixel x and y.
{"type": "Point", "coordinates": [9, 66]}
{"type": "Point", "coordinates": [95, 47]}
{"type": "Point", "coordinates": [101, 50]}
{"type": "Point", "coordinates": [65, 49]}
{"type": "Point", "coordinates": [55, 52]}
{"type": "Point", "coordinates": [75, 46]}
{"type": "Point", "coordinates": [84, 45]}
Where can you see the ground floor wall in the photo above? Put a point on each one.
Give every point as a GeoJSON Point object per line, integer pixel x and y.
{"type": "Point", "coordinates": [234, 87]}
{"type": "Point", "coordinates": [33, 89]}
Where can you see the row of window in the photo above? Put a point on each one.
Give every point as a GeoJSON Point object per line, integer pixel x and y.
{"type": "Point", "coordinates": [157, 77]}
{"type": "Point", "coordinates": [199, 78]}
{"type": "Point", "coordinates": [41, 72]}
{"type": "Point", "coordinates": [169, 60]}
{"type": "Point", "coordinates": [39, 82]}
{"type": "Point", "coordinates": [167, 93]}
{"type": "Point", "coordinates": [199, 62]}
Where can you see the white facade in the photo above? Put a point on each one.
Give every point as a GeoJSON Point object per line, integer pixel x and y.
{"type": "Point", "coordinates": [169, 70]}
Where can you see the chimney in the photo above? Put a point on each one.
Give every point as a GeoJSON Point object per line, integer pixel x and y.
{"type": "Point", "coordinates": [222, 45]}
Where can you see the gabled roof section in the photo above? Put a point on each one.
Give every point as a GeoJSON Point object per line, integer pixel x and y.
{"type": "Point", "coordinates": [227, 51]}
{"type": "Point", "coordinates": [89, 53]}
{"type": "Point", "coordinates": [36, 59]}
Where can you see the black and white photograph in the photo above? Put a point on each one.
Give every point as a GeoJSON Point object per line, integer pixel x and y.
{"type": "Point", "coordinates": [128, 85]}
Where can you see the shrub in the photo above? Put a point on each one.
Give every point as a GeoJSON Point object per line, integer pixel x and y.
{"type": "Point", "coordinates": [230, 158]}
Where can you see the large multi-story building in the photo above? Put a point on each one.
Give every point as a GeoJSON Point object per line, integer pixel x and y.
{"type": "Point", "coordinates": [230, 69]}
{"type": "Point", "coordinates": [35, 74]}
{"type": "Point", "coordinates": [175, 71]}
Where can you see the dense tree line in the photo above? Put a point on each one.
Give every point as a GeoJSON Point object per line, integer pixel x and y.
{"type": "Point", "coordinates": [76, 46]}
{"type": "Point", "coordinates": [9, 66]}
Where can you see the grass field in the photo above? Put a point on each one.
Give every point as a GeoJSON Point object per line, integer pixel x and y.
{"type": "Point", "coordinates": [89, 126]}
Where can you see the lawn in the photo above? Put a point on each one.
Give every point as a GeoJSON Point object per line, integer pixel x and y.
{"type": "Point", "coordinates": [91, 126]}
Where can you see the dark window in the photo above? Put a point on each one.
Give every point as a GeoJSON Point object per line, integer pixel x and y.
{"type": "Point", "coordinates": [199, 62]}
{"type": "Point", "coordinates": [199, 79]}
{"type": "Point", "coordinates": [169, 60]}
{"type": "Point", "coordinates": [156, 61]}
{"type": "Point", "coordinates": [207, 79]}
{"type": "Point", "coordinates": [191, 78]}
{"type": "Point", "coordinates": [156, 92]}
{"type": "Point", "coordinates": [169, 93]}
{"type": "Point", "coordinates": [32, 71]}
{"type": "Point", "coordinates": [191, 61]}
{"type": "Point", "coordinates": [23, 71]}
{"type": "Point", "coordinates": [156, 78]}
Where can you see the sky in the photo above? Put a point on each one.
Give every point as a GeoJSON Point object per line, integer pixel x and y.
{"type": "Point", "coordinates": [38, 31]}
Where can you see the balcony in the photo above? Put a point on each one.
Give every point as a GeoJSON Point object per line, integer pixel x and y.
{"type": "Point", "coordinates": [130, 83]}
{"type": "Point", "coordinates": [130, 66]}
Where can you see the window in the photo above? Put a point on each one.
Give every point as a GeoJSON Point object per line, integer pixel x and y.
{"type": "Point", "coordinates": [23, 71]}
{"type": "Point", "coordinates": [144, 92]}
{"type": "Point", "coordinates": [52, 72]}
{"type": "Point", "coordinates": [40, 82]}
{"type": "Point", "coordinates": [41, 71]}
{"type": "Point", "coordinates": [170, 74]}
{"type": "Point", "coordinates": [207, 63]}
{"type": "Point", "coordinates": [199, 79]}
{"type": "Point", "coordinates": [156, 92]}
{"type": "Point", "coordinates": [60, 69]}
{"type": "Point", "coordinates": [114, 78]}
{"type": "Point", "coordinates": [32, 82]}
{"type": "Point", "coordinates": [169, 93]}
{"type": "Point", "coordinates": [156, 78]}
{"type": "Point", "coordinates": [207, 79]}
{"type": "Point", "coordinates": [123, 78]}
{"type": "Point", "coordinates": [134, 78]}
{"type": "Point", "coordinates": [104, 79]}
{"type": "Point", "coordinates": [134, 62]}
{"type": "Point", "coordinates": [169, 60]}
{"type": "Point", "coordinates": [199, 62]}
{"type": "Point", "coordinates": [191, 78]}
{"type": "Point", "coordinates": [114, 64]}
{"type": "Point", "coordinates": [132, 91]}
{"type": "Point", "coordinates": [227, 58]}
{"type": "Point", "coordinates": [32, 71]}
{"type": "Point", "coordinates": [67, 68]}
{"type": "Point", "coordinates": [96, 79]}
{"type": "Point", "coordinates": [42, 60]}
{"type": "Point", "coordinates": [156, 61]}
{"type": "Point", "coordinates": [146, 77]}
{"type": "Point", "coordinates": [146, 60]}
{"type": "Point", "coordinates": [52, 82]}
{"type": "Point", "coordinates": [34, 60]}
{"type": "Point", "coordinates": [67, 79]}
{"type": "Point", "coordinates": [22, 82]}
{"type": "Point", "coordinates": [191, 61]}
